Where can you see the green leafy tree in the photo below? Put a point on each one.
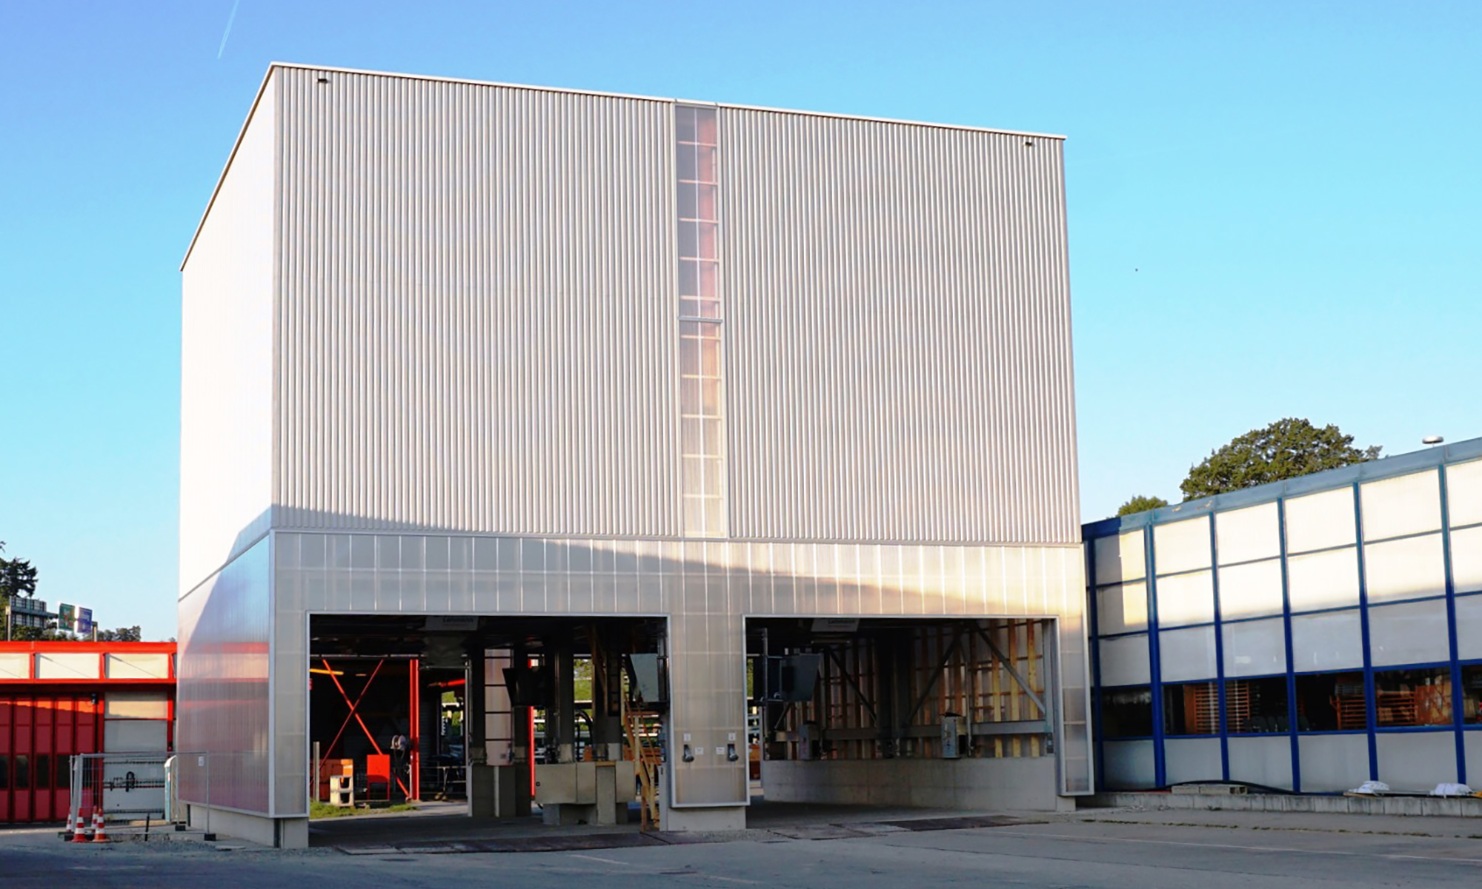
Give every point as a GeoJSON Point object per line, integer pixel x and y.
{"type": "Point", "coordinates": [122, 634]}
{"type": "Point", "coordinates": [1140, 503]}
{"type": "Point", "coordinates": [17, 578]}
{"type": "Point", "coordinates": [1288, 448]}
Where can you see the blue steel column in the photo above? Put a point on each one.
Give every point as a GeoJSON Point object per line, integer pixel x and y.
{"type": "Point", "coordinates": [1219, 649]}
{"type": "Point", "coordinates": [1292, 715]}
{"type": "Point", "coordinates": [1369, 697]}
{"type": "Point", "coordinates": [1457, 703]}
{"type": "Point", "coordinates": [1093, 606]}
{"type": "Point", "coordinates": [1155, 665]}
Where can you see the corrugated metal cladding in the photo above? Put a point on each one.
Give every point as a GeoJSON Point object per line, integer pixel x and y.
{"type": "Point", "coordinates": [898, 320]}
{"type": "Point", "coordinates": [476, 322]}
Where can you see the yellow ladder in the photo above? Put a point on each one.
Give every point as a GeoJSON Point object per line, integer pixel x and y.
{"type": "Point", "coordinates": [642, 728]}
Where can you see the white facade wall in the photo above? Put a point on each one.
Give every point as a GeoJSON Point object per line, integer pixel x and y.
{"type": "Point", "coordinates": [455, 392]}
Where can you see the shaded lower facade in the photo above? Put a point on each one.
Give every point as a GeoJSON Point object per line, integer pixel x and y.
{"type": "Point", "coordinates": [949, 626]}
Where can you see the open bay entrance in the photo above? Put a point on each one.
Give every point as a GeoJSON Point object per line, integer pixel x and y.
{"type": "Point", "coordinates": [513, 716]}
{"type": "Point", "coordinates": [921, 712]}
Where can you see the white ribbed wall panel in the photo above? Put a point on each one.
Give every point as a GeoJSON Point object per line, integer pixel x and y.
{"type": "Point", "coordinates": [477, 326]}
{"type": "Point", "coordinates": [226, 359]}
{"type": "Point", "coordinates": [898, 333]}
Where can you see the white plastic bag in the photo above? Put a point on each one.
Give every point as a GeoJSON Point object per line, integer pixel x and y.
{"type": "Point", "coordinates": [1451, 790]}
{"type": "Point", "coordinates": [1371, 788]}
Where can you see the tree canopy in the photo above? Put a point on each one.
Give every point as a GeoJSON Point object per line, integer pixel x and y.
{"type": "Point", "coordinates": [1288, 448]}
{"type": "Point", "coordinates": [1140, 503]}
{"type": "Point", "coordinates": [17, 577]}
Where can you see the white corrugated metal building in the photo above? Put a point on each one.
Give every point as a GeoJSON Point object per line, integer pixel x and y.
{"type": "Point", "coordinates": [456, 348]}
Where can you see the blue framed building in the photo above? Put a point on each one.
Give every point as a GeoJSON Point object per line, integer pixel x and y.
{"type": "Point", "coordinates": [1306, 635]}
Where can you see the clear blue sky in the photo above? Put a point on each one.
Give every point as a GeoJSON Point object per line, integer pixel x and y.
{"type": "Point", "coordinates": [1273, 208]}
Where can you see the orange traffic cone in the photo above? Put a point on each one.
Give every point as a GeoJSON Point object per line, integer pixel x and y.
{"type": "Point", "coordinates": [79, 833]}
{"type": "Point", "coordinates": [99, 834]}
{"type": "Point", "coordinates": [71, 827]}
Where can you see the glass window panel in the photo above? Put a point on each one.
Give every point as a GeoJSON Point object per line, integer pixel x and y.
{"type": "Point", "coordinates": [1408, 504]}
{"type": "Point", "coordinates": [1412, 633]}
{"type": "Point", "coordinates": [710, 358]}
{"type": "Point", "coordinates": [689, 355]}
{"type": "Point", "coordinates": [685, 159]}
{"type": "Point", "coordinates": [1464, 493]}
{"type": "Point", "coordinates": [1127, 712]}
{"type": "Point", "coordinates": [1466, 559]}
{"type": "Point", "coordinates": [684, 123]}
{"type": "Point", "coordinates": [1331, 702]}
{"type": "Point", "coordinates": [689, 277]}
{"type": "Point", "coordinates": [1406, 698]}
{"type": "Point", "coordinates": [1469, 627]}
{"type": "Point", "coordinates": [22, 771]}
{"type": "Point", "coordinates": [1124, 660]}
{"type": "Point", "coordinates": [1405, 569]}
{"type": "Point", "coordinates": [1243, 535]}
{"type": "Point", "coordinates": [690, 440]}
{"type": "Point", "coordinates": [1187, 654]}
{"type": "Point", "coordinates": [705, 126]}
{"type": "Point", "coordinates": [1327, 641]}
{"type": "Point", "coordinates": [705, 164]}
{"type": "Point", "coordinates": [706, 239]}
{"type": "Point", "coordinates": [713, 515]}
{"type": "Point", "coordinates": [1256, 706]}
{"type": "Point", "coordinates": [4, 772]}
{"type": "Point", "coordinates": [1119, 558]}
{"type": "Point", "coordinates": [1122, 608]}
{"type": "Point", "coordinates": [694, 513]}
{"type": "Point", "coordinates": [1255, 647]}
{"type": "Point", "coordinates": [709, 391]}
{"type": "Point", "coordinates": [1323, 580]}
{"type": "Point", "coordinates": [689, 246]}
{"type": "Point", "coordinates": [1471, 694]}
{"type": "Point", "coordinates": [710, 432]}
{"type": "Point", "coordinates": [705, 198]}
{"type": "Point", "coordinates": [43, 772]}
{"type": "Point", "coordinates": [1250, 590]}
{"type": "Point", "coordinates": [713, 475]}
{"type": "Point", "coordinates": [1181, 546]}
{"type": "Point", "coordinates": [687, 200]}
{"type": "Point", "coordinates": [709, 279]}
{"type": "Point", "coordinates": [694, 475]}
{"type": "Point", "coordinates": [64, 772]}
{"type": "Point", "coordinates": [1319, 521]}
{"type": "Point", "coordinates": [1186, 599]}
{"type": "Point", "coordinates": [1191, 709]}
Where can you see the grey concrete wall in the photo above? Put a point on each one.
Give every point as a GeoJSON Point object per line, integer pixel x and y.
{"type": "Point", "coordinates": [1026, 783]}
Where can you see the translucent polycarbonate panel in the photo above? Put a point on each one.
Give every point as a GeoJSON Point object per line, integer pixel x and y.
{"type": "Point", "coordinates": [68, 665]}
{"type": "Point", "coordinates": [1181, 546]}
{"type": "Point", "coordinates": [1469, 631]}
{"type": "Point", "coordinates": [1464, 494]}
{"type": "Point", "coordinates": [1186, 599]}
{"type": "Point", "coordinates": [15, 665]}
{"type": "Point", "coordinates": [1412, 633]}
{"type": "Point", "coordinates": [1473, 748]}
{"type": "Point", "coordinates": [1122, 608]}
{"type": "Point", "coordinates": [852, 418]}
{"type": "Point", "coordinates": [226, 357]}
{"type": "Point", "coordinates": [1319, 521]}
{"type": "Point", "coordinates": [1125, 661]}
{"type": "Point", "coordinates": [223, 691]}
{"type": "Point", "coordinates": [1243, 535]}
{"type": "Point", "coordinates": [705, 589]}
{"type": "Point", "coordinates": [1406, 504]}
{"type": "Point", "coordinates": [1405, 569]}
{"type": "Point", "coordinates": [1119, 558]}
{"type": "Point", "coordinates": [1323, 580]}
{"type": "Point", "coordinates": [1332, 640]}
{"type": "Point", "coordinates": [1415, 762]}
{"type": "Point", "coordinates": [1187, 654]}
{"type": "Point", "coordinates": [1263, 761]}
{"type": "Point", "coordinates": [137, 666]}
{"type": "Point", "coordinates": [1332, 763]}
{"type": "Point", "coordinates": [472, 363]}
{"type": "Point", "coordinates": [1192, 759]}
{"type": "Point", "coordinates": [1250, 590]}
{"type": "Point", "coordinates": [1128, 765]}
{"type": "Point", "coordinates": [1255, 647]}
{"type": "Point", "coordinates": [122, 704]}
{"type": "Point", "coordinates": [1466, 559]}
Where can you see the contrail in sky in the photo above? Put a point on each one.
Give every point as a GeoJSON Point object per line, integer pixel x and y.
{"type": "Point", "coordinates": [228, 32]}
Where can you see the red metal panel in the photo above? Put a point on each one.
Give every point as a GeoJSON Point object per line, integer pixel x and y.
{"type": "Point", "coordinates": [7, 721]}
{"type": "Point", "coordinates": [20, 760]}
{"type": "Point", "coordinates": [43, 745]}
